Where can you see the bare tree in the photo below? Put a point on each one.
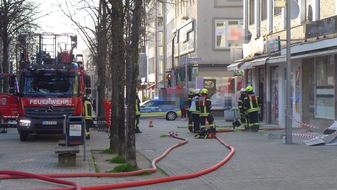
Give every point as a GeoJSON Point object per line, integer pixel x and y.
{"type": "Point", "coordinates": [15, 16]}
{"type": "Point", "coordinates": [121, 26]}
{"type": "Point", "coordinates": [117, 60]}
{"type": "Point", "coordinates": [95, 36]}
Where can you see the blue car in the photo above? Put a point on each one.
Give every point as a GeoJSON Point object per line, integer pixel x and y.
{"type": "Point", "coordinates": [160, 107]}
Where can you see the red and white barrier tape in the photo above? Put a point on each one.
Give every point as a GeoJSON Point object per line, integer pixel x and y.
{"type": "Point", "coordinates": [303, 135]}
{"type": "Point", "coordinates": [303, 124]}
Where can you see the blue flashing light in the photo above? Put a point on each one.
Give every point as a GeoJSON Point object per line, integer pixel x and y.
{"type": "Point", "coordinates": [156, 98]}
{"type": "Point", "coordinates": [75, 65]}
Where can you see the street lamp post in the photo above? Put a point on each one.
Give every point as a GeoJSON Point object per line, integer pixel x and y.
{"type": "Point", "coordinates": [288, 128]}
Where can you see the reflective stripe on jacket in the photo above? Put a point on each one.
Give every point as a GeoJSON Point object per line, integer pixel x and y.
{"type": "Point", "coordinates": [251, 103]}
{"type": "Point", "coordinates": [87, 110]}
{"type": "Point", "coordinates": [137, 106]}
{"type": "Point", "coordinates": [205, 105]}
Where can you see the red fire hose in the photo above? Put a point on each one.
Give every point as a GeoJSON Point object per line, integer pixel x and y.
{"type": "Point", "coordinates": [51, 177]}
{"type": "Point", "coordinates": [41, 177]}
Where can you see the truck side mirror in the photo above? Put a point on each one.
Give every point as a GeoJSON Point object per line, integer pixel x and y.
{"type": "Point", "coordinates": [87, 81]}
{"type": "Point", "coordinates": [12, 81]}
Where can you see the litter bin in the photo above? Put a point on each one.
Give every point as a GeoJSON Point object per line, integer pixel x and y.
{"type": "Point", "coordinates": [75, 130]}
{"type": "Point", "coordinates": [231, 114]}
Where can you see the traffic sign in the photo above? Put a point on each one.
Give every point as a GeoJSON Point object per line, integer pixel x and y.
{"type": "Point", "coordinates": [193, 59]}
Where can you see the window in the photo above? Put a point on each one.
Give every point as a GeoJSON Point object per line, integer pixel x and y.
{"type": "Point", "coordinates": [251, 12]}
{"type": "Point", "coordinates": [325, 87]}
{"type": "Point", "coordinates": [160, 20]}
{"type": "Point", "coordinates": [151, 66]}
{"type": "Point", "coordinates": [227, 33]}
{"type": "Point", "coordinates": [264, 10]}
{"type": "Point", "coordinates": [160, 38]}
{"type": "Point", "coordinates": [160, 67]}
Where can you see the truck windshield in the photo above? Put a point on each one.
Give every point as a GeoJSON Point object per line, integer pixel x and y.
{"type": "Point", "coordinates": [50, 83]}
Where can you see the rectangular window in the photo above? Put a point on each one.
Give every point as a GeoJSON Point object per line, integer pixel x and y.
{"type": "Point", "coordinates": [325, 87]}
{"type": "Point", "coordinates": [264, 9]}
{"type": "Point", "coordinates": [160, 67]}
{"type": "Point", "coordinates": [251, 12]}
{"type": "Point", "coordinates": [277, 11]}
{"type": "Point", "coordinates": [161, 51]}
{"type": "Point", "coordinates": [160, 39]}
{"type": "Point", "coordinates": [227, 33]}
{"type": "Point", "coordinates": [160, 21]}
{"type": "Point", "coordinates": [151, 66]}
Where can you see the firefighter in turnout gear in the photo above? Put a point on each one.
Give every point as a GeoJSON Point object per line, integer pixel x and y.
{"type": "Point", "coordinates": [242, 111]}
{"type": "Point", "coordinates": [137, 113]}
{"type": "Point", "coordinates": [189, 113]}
{"type": "Point", "coordinates": [195, 111]}
{"type": "Point", "coordinates": [251, 104]}
{"type": "Point", "coordinates": [88, 111]}
{"type": "Point", "coordinates": [205, 104]}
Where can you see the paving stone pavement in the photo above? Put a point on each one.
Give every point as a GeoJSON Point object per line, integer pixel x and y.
{"type": "Point", "coordinates": [258, 163]}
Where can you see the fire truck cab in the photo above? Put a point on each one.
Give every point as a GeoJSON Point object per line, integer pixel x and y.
{"type": "Point", "coordinates": [8, 102]}
{"type": "Point", "coordinates": [52, 85]}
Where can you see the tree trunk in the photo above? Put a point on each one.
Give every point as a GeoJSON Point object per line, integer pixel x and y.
{"type": "Point", "coordinates": [5, 62]}
{"type": "Point", "coordinates": [133, 71]}
{"type": "Point", "coordinates": [117, 131]}
{"type": "Point", "coordinates": [101, 60]}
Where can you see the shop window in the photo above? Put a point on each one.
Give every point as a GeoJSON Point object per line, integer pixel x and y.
{"type": "Point", "coordinates": [324, 102]}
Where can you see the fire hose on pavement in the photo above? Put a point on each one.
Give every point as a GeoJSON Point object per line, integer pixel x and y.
{"type": "Point", "coordinates": [9, 174]}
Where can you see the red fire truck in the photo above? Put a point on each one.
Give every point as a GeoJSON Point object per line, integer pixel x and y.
{"type": "Point", "coordinates": [51, 85]}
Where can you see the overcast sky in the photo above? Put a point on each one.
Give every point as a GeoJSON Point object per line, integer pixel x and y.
{"type": "Point", "coordinates": [56, 22]}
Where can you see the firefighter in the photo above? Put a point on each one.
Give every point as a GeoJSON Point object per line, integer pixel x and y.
{"type": "Point", "coordinates": [88, 116]}
{"type": "Point", "coordinates": [242, 111]}
{"type": "Point", "coordinates": [195, 110]}
{"type": "Point", "coordinates": [251, 104]}
{"type": "Point", "coordinates": [189, 113]}
{"type": "Point", "coordinates": [137, 113]}
{"type": "Point", "coordinates": [205, 109]}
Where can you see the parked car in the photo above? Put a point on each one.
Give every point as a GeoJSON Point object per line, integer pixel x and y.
{"type": "Point", "coordinates": [170, 109]}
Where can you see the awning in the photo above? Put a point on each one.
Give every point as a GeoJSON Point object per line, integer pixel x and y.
{"type": "Point", "coordinates": [258, 62]}
{"type": "Point", "coordinates": [277, 59]}
{"type": "Point", "coordinates": [234, 66]}
{"type": "Point", "coordinates": [283, 58]}
{"type": "Point", "coordinates": [153, 85]}
{"type": "Point", "coordinates": [246, 65]}
{"type": "Point", "coordinates": [254, 63]}
{"type": "Point", "coordinates": [314, 54]}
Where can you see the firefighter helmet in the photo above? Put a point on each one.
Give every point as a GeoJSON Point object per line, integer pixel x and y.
{"type": "Point", "coordinates": [204, 91]}
{"type": "Point", "coordinates": [249, 88]}
{"type": "Point", "coordinates": [242, 90]}
{"type": "Point", "coordinates": [190, 91]}
{"type": "Point", "coordinates": [196, 91]}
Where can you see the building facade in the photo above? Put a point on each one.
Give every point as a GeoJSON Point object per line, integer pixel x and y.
{"type": "Point", "coordinates": [198, 36]}
{"type": "Point", "coordinates": [313, 60]}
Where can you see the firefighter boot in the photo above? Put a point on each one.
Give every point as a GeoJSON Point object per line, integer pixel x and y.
{"type": "Point", "coordinates": [137, 130]}
{"type": "Point", "coordinates": [190, 128]}
{"type": "Point", "coordinates": [255, 128]}
{"type": "Point", "coordinates": [236, 124]}
{"type": "Point", "coordinates": [87, 135]}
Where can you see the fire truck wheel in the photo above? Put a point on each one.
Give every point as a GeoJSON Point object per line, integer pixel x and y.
{"type": "Point", "coordinates": [23, 136]}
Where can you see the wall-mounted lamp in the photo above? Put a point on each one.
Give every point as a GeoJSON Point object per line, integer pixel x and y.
{"type": "Point", "coordinates": [184, 18]}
